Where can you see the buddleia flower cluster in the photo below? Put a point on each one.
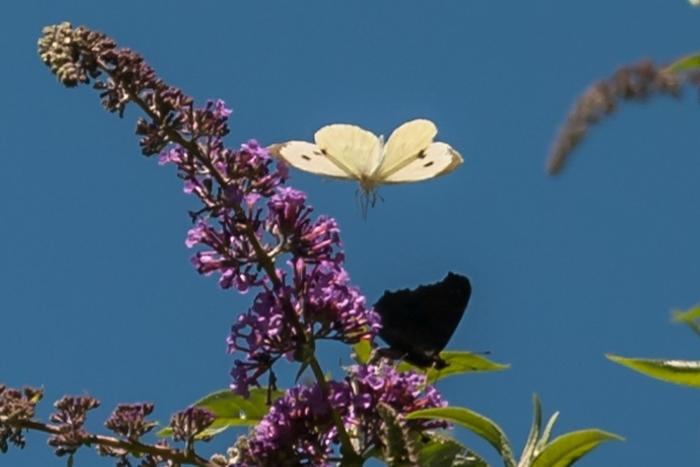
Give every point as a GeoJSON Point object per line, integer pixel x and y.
{"type": "Point", "coordinates": [255, 234]}
{"type": "Point", "coordinates": [298, 430]}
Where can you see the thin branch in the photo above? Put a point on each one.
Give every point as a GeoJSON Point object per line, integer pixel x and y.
{"type": "Point", "coordinates": [107, 441]}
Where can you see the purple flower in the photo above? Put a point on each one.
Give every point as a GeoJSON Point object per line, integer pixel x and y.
{"type": "Point", "coordinates": [129, 420]}
{"type": "Point", "coordinates": [219, 110]}
{"type": "Point", "coordinates": [403, 391]}
{"type": "Point", "coordinates": [264, 335]}
{"type": "Point", "coordinates": [321, 300]}
{"type": "Point", "coordinates": [333, 303]}
{"type": "Point", "coordinates": [16, 405]}
{"type": "Point", "coordinates": [173, 155]}
{"type": "Point", "coordinates": [317, 240]}
{"type": "Point", "coordinates": [290, 217]}
{"type": "Point", "coordinates": [70, 416]}
{"type": "Point", "coordinates": [188, 423]}
{"type": "Point", "coordinates": [286, 206]}
{"type": "Point", "coordinates": [298, 429]}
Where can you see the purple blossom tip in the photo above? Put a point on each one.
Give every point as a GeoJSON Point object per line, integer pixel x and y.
{"type": "Point", "coordinates": [16, 405]}
{"type": "Point", "coordinates": [70, 416]}
{"type": "Point", "coordinates": [190, 422]}
{"type": "Point", "coordinates": [129, 420]}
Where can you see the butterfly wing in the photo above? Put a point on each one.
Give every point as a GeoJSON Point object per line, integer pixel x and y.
{"type": "Point", "coordinates": [437, 159]}
{"type": "Point", "coordinates": [350, 147]}
{"type": "Point", "coordinates": [309, 158]}
{"type": "Point", "coordinates": [418, 324]}
{"type": "Point", "coordinates": [405, 144]}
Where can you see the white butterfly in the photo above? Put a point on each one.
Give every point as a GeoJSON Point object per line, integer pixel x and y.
{"type": "Point", "coordinates": [350, 152]}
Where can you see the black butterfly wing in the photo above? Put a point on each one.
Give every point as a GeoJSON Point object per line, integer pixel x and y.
{"type": "Point", "coordinates": [418, 324]}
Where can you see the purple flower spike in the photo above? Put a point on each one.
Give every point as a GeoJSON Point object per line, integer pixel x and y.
{"type": "Point", "coordinates": [248, 220]}
{"type": "Point", "coordinates": [129, 420]}
{"type": "Point", "coordinates": [320, 298]}
{"type": "Point", "coordinates": [248, 227]}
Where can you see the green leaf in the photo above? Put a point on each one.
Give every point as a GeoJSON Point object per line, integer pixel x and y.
{"type": "Point", "coordinates": [529, 449]}
{"type": "Point", "coordinates": [688, 63]}
{"type": "Point", "coordinates": [443, 451]}
{"type": "Point", "coordinates": [689, 318]}
{"type": "Point", "coordinates": [458, 363]}
{"type": "Point", "coordinates": [567, 449]}
{"type": "Point", "coordinates": [473, 421]}
{"type": "Point", "coordinates": [672, 371]}
{"type": "Point", "coordinates": [231, 409]}
{"type": "Point", "coordinates": [686, 316]}
{"type": "Point", "coordinates": [362, 351]}
{"type": "Point", "coordinates": [547, 432]}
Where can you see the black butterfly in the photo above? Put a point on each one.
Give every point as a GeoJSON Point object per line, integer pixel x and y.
{"type": "Point", "coordinates": [417, 324]}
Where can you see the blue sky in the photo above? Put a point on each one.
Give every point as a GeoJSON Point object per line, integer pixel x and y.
{"type": "Point", "coordinates": [98, 293]}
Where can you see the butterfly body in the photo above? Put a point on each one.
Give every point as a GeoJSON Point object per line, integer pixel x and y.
{"type": "Point", "coordinates": [350, 152]}
{"type": "Point", "coordinates": [417, 324]}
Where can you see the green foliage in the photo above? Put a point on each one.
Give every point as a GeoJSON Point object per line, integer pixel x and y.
{"type": "Point", "coordinates": [683, 372]}
{"type": "Point", "coordinates": [231, 410]}
{"type": "Point", "coordinates": [538, 451]}
{"type": "Point", "coordinates": [399, 448]}
{"type": "Point", "coordinates": [564, 450]}
{"type": "Point", "coordinates": [362, 351]}
{"type": "Point", "coordinates": [567, 449]}
{"type": "Point", "coordinates": [442, 451]}
{"type": "Point", "coordinates": [689, 318]}
{"type": "Point", "coordinates": [688, 63]}
{"type": "Point", "coordinates": [474, 422]}
{"type": "Point", "coordinates": [457, 363]}
{"type": "Point", "coordinates": [533, 438]}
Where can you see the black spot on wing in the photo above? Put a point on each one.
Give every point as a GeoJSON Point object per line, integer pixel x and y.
{"type": "Point", "coordinates": [422, 155]}
{"type": "Point", "coordinates": [318, 153]}
{"type": "Point", "coordinates": [428, 164]}
{"type": "Point", "coordinates": [418, 324]}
